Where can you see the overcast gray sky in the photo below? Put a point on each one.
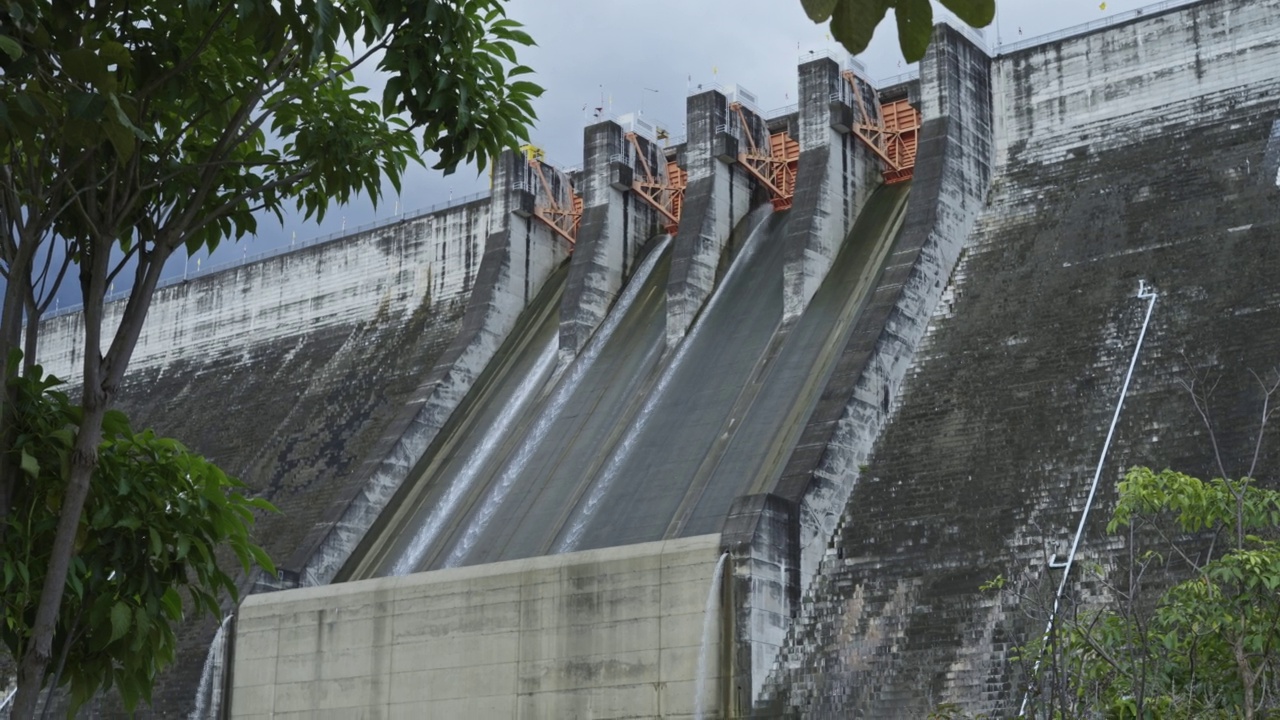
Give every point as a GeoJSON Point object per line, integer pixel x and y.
{"type": "Point", "coordinates": [645, 55]}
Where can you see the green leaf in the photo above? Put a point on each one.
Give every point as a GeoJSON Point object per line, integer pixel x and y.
{"type": "Point", "coordinates": [30, 465]}
{"type": "Point", "coordinates": [854, 22]}
{"type": "Point", "coordinates": [172, 603]}
{"type": "Point", "coordinates": [10, 47]}
{"type": "Point", "coordinates": [84, 65]}
{"type": "Point", "coordinates": [818, 10]}
{"type": "Point", "coordinates": [85, 105]}
{"type": "Point", "coordinates": [915, 27]}
{"type": "Point", "coordinates": [262, 559]}
{"type": "Point", "coordinates": [978, 13]}
{"type": "Point", "coordinates": [120, 617]}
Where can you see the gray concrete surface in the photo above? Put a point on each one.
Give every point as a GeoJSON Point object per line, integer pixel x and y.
{"type": "Point", "coordinates": [718, 196]}
{"type": "Point", "coordinates": [616, 222]}
{"type": "Point", "coordinates": [1128, 154]}
{"type": "Point", "coordinates": [613, 633]}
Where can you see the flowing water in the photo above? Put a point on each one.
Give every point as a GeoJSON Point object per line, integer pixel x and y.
{"type": "Point", "coordinates": [636, 441]}
{"type": "Point", "coordinates": [710, 641]}
{"type": "Point", "coordinates": [638, 491]}
{"type": "Point", "coordinates": [758, 436]}
{"type": "Point", "coordinates": [209, 694]}
{"type": "Point", "coordinates": [469, 446]}
{"type": "Point", "coordinates": [492, 438]}
{"type": "Point", "coordinates": [567, 390]}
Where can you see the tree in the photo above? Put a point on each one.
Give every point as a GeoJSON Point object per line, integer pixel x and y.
{"type": "Point", "coordinates": [1191, 629]}
{"type": "Point", "coordinates": [153, 518]}
{"type": "Point", "coordinates": [1202, 642]}
{"type": "Point", "coordinates": [132, 130]}
{"type": "Point", "coordinates": [853, 22]}
{"type": "Point", "coordinates": [1211, 645]}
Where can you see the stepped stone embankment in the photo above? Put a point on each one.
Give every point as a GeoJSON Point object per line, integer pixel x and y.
{"type": "Point", "coordinates": [985, 465]}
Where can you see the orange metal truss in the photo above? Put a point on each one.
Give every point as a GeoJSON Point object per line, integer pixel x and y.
{"type": "Point", "coordinates": [562, 219]}
{"type": "Point", "coordinates": [893, 136]}
{"type": "Point", "coordinates": [774, 166]}
{"type": "Point", "coordinates": [666, 192]}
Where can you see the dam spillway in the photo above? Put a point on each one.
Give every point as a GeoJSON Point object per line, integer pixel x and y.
{"type": "Point", "coordinates": [907, 417]}
{"type": "Point", "coordinates": [536, 470]}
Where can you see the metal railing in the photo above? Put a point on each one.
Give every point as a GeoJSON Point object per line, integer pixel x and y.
{"type": "Point", "coordinates": [784, 110]}
{"type": "Point", "coordinates": [908, 76]}
{"type": "Point", "coordinates": [285, 249]}
{"type": "Point", "coordinates": [975, 36]}
{"type": "Point", "coordinates": [1148, 293]}
{"type": "Point", "coordinates": [840, 55]}
{"type": "Point", "coordinates": [1086, 28]}
{"type": "Point", "coordinates": [703, 87]}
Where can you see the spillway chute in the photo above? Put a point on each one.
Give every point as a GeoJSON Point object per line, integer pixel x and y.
{"type": "Point", "coordinates": [547, 415]}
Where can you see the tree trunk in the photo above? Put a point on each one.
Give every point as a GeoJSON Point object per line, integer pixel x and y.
{"type": "Point", "coordinates": [32, 336]}
{"type": "Point", "coordinates": [35, 663]}
{"type": "Point", "coordinates": [1248, 678]}
{"type": "Point", "coordinates": [98, 392]}
{"type": "Point", "coordinates": [10, 335]}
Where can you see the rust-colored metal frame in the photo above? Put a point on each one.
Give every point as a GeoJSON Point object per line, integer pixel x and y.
{"type": "Point", "coordinates": [774, 166]}
{"type": "Point", "coordinates": [563, 220]}
{"type": "Point", "coordinates": [893, 136]}
{"type": "Point", "coordinates": [666, 192]}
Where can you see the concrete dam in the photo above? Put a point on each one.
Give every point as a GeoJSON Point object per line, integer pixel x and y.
{"type": "Point", "coordinates": [736, 425]}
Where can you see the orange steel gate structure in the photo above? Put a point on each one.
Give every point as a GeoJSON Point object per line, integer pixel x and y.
{"type": "Point", "coordinates": [562, 219]}
{"type": "Point", "coordinates": [774, 166]}
{"type": "Point", "coordinates": [893, 136]}
{"type": "Point", "coordinates": [664, 192]}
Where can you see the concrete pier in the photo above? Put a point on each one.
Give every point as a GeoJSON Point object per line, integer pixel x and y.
{"type": "Point", "coordinates": [718, 197]}
{"type": "Point", "coordinates": [835, 175]}
{"type": "Point", "coordinates": [615, 224]}
{"type": "Point", "coordinates": [951, 179]}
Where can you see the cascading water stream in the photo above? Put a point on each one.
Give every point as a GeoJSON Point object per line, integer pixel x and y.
{"type": "Point", "coordinates": [555, 404]}
{"type": "Point", "coordinates": [622, 452]}
{"type": "Point", "coordinates": [8, 698]}
{"type": "Point", "coordinates": [710, 628]}
{"type": "Point", "coordinates": [209, 693]}
{"type": "Point", "coordinates": [461, 485]}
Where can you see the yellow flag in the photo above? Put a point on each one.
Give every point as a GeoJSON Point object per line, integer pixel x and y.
{"type": "Point", "coordinates": [1103, 6]}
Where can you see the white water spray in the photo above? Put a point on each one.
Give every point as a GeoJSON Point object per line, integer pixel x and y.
{"type": "Point", "coordinates": [466, 477]}
{"type": "Point", "coordinates": [209, 694]}
{"type": "Point", "coordinates": [622, 452]}
{"type": "Point", "coordinates": [710, 630]}
{"type": "Point", "coordinates": [555, 405]}
{"type": "Point", "coordinates": [8, 698]}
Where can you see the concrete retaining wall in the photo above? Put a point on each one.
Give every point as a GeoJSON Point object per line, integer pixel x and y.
{"type": "Point", "coordinates": [601, 634]}
{"type": "Point", "coordinates": [386, 271]}
{"type": "Point", "coordinates": [1087, 93]}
